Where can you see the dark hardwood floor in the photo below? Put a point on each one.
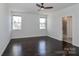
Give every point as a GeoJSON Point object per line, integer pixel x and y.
{"type": "Point", "coordinates": [40, 46]}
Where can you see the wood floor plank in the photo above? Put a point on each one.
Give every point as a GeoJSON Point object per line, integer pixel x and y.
{"type": "Point", "coordinates": [39, 46]}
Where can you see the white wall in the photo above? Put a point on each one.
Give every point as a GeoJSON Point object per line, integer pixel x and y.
{"type": "Point", "coordinates": [30, 26]}
{"type": "Point", "coordinates": [54, 23]}
{"type": "Point", "coordinates": [4, 27]}
{"type": "Point", "coordinates": [53, 26]}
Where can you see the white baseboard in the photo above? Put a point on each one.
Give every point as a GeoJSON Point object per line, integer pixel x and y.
{"type": "Point", "coordinates": [26, 37]}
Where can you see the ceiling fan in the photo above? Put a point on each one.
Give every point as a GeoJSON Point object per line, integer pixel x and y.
{"type": "Point", "coordinates": [42, 7]}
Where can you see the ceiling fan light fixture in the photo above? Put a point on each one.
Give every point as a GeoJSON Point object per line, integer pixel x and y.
{"type": "Point", "coordinates": [42, 9]}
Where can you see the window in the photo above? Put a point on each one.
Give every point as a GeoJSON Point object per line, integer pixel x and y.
{"type": "Point", "coordinates": [42, 23]}
{"type": "Point", "coordinates": [17, 22]}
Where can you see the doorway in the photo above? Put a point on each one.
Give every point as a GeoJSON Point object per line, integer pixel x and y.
{"type": "Point", "coordinates": [67, 28]}
{"type": "Point", "coordinates": [67, 34]}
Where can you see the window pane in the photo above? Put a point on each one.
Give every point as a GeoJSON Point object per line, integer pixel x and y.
{"type": "Point", "coordinates": [16, 19]}
{"type": "Point", "coordinates": [16, 22]}
{"type": "Point", "coordinates": [19, 19]}
{"type": "Point", "coordinates": [42, 27]}
{"type": "Point", "coordinates": [42, 23]}
{"type": "Point", "coordinates": [42, 20]}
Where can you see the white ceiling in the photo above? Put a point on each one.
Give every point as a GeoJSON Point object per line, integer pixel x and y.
{"type": "Point", "coordinates": [31, 7]}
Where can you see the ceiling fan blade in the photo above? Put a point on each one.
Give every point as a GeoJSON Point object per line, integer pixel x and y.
{"type": "Point", "coordinates": [38, 5]}
{"type": "Point", "coordinates": [48, 7]}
